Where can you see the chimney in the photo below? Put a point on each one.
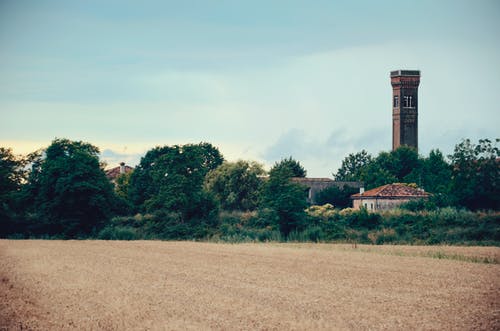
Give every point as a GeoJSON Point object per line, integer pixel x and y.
{"type": "Point", "coordinates": [122, 168]}
{"type": "Point", "coordinates": [361, 190]}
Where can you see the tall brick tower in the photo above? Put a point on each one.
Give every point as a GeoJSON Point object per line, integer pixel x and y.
{"type": "Point", "coordinates": [405, 108]}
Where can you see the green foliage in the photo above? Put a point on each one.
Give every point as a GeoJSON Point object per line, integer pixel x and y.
{"type": "Point", "coordinates": [436, 174]}
{"type": "Point", "coordinates": [65, 194]}
{"type": "Point", "coordinates": [237, 226]}
{"type": "Point", "coordinates": [403, 165]}
{"type": "Point", "coordinates": [70, 192]}
{"type": "Point", "coordinates": [382, 236]}
{"type": "Point", "coordinates": [290, 166]}
{"type": "Point", "coordinates": [118, 233]}
{"type": "Point", "coordinates": [321, 212]}
{"type": "Point", "coordinates": [12, 175]}
{"type": "Point", "coordinates": [352, 166]}
{"type": "Point", "coordinates": [472, 180]}
{"type": "Point", "coordinates": [400, 166]}
{"type": "Point", "coordinates": [443, 226]}
{"type": "Point", "coordinates": [160, 225]}
{"type": "Point", "coordinates": [122, 184]}
{"type": "Point", "coordinates": [476, 174]}
{"type": "Point", "coordinates": [236, 185]}
{"type": "Point", "coordinates": [285, 198]}
{"type": "Point", "coordinates": [171, 179]}
{"type": "Point", "coordinates": [309, 234]}
{"type": "Point", "coordinates": [339, 197]}
{"type": "Point", "coordinates": [11, 172]}
{"type": "Point", "coordinates": [363, 219]}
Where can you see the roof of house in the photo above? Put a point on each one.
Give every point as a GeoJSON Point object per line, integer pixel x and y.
{"type": "Point", "coordinates": [311, 180]}
{"type": "Point", "coordinates": [396, 190]}
{"type": "Point", "coordinates": [115, 172]}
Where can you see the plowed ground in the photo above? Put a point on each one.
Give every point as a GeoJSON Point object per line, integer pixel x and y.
{"type": "Point", "coordinates": [88, 285]}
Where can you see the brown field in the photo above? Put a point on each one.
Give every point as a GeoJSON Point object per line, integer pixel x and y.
{"type": "Point", "coordinates": [56, 285]}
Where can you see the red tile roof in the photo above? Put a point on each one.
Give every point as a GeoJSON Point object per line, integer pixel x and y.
{"type": "Point", "coordinates": [115, 172]}
{"type": "Point", "coordinates": [395, 190]}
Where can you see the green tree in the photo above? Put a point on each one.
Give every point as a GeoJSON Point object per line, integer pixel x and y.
{"type": "Point", "coordinates": [122, 184]}
{"type": "Point", "coordinates": [286, 199]}
{"type": "Point", "coordinates": [436, 173]}
{"type": "Point", "coordinates": [402, 165]}
{"type": "Point", "coordinates": [293, 166]}
{"type": "Point", "coordinates": [11, 172]}
{"type": "Point", "coordinates": [69, 189]}
{"type": "Point", "coordinates": [12, 176]}
{"type": "Point", "coordinates": [236, 185]}
{"type": "Point", "coordinates": [171, 178]}
{"type": "Point", "coordinates": [476, 174]}
{"type": "Point", "coordinates": [352, 166]}
{"type": "Point", "coordinates": [379, 172]}
{"type": "Point", "coordinates": [339, 197]}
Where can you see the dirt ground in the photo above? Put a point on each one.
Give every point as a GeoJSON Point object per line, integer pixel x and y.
{"type": "Point", "coordinates": [111, 285]}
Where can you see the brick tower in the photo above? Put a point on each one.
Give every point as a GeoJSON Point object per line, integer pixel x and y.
{"type": "Point", "coordinates": [405, 108]}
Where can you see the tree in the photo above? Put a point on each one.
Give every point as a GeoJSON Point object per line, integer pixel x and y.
{"type": "Point", "coordinates": [122, 184]}
{"type": "Point", "coordinates": [436, 173]}
{"type": "Point", "coordinates": [285, 198]}
{"type": "Point", "coordinates": [11, 172]}
{"type": "Point", "coordinates": [339, 197]}
{"type": "Point", "coordinates": [476, 174]}
{"type": "Point", "coordinates": [236, 185]}
{"type": "Point", "coordinates": [171, 178]}
{"type": "Point", "coordinates": [296, 169]}
{"type": "Point", "coordinates": [352, 166]}
{"type": "Point", "coordinates": [70, 192]}
{"type": "Point", "coordinates": [404, 163]}
{"type": "Point", "coordinates": [401, 165]}
{"type": "Point", "coordinates": [12, 176]}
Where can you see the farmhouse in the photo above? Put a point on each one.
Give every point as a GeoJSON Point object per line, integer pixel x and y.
{"type": "Point", "coordinates": [313, 186]}
{"type": "Point", "coordinates": [113, 173]}
{"type": "Point", "coordinates": [387, 197]}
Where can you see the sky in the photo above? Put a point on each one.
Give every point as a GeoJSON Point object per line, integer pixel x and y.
{"type": "Point", "coordinates": [260, 80]}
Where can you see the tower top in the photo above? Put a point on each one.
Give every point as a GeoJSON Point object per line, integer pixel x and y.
{"type": "Point", "coordinates": [397, 73]}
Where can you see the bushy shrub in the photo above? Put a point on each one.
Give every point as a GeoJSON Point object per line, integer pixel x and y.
{"type": "Point", "coordinates": [323, 224]}
{"type": "Point", "coordinates": [324, 212]}
{"type": "Point", "coordinates": [237, 226]}
{"type": "Point", "coordinates": [362, 219]}
{"type": "Point", "coordinates": [382, 236]}
{"type": "Point", "coordinates": [310, 234]}
{"type": "Point", "coordinates": [118, 233]}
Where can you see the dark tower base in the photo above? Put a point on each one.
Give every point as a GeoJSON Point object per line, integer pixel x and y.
{"type": "Point", "coordinates": [405, 108]}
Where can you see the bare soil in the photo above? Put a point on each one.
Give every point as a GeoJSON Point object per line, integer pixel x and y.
{"type": "Point", "coordinates": [112, 285]}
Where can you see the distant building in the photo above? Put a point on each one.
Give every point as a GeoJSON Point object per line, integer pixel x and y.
{"type": "Point", "coordinates": [113, 173]}
{"type": "Point", "coordinates": [387, 197]}
{"type": "Point", "coordinates": [405, 108]}
{"type": "Point", "coordinates": [314, 186]}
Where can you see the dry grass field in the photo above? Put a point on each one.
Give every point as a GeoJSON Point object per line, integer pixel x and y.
{"type": "Point", "coordinates": [89, 285]}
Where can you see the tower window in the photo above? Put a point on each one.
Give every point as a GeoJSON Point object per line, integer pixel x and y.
{"type": "Point", "coordinates": [408, 100]}
{"type": "Point", "coordinates": [396, 101]}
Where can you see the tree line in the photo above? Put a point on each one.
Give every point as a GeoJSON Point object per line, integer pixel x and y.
{"type": "Point", "coordinates": [190, 191]}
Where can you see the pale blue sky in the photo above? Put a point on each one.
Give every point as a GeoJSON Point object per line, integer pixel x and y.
{"type": "Point", "coordinates": [262, 80]}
